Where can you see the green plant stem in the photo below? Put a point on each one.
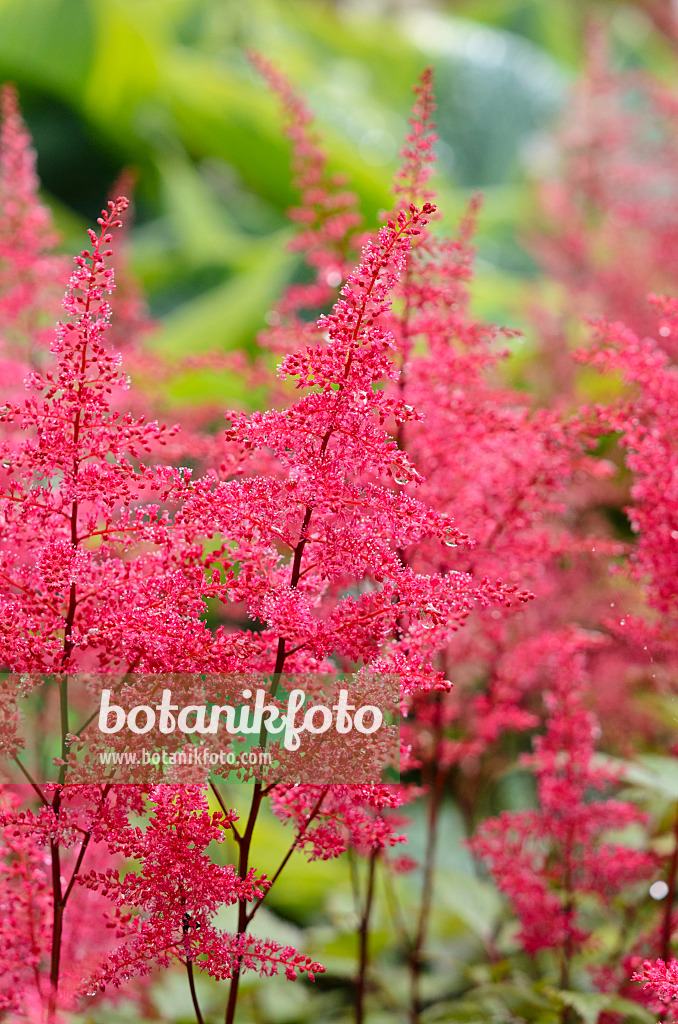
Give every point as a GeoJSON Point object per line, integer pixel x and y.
{"type": "Point", "coordinates": [419, 943]}
{"type": "Point", "coordinates": [667, 920]}
{"type": "Point", "coordinates": [363, 941]}
{"type": "Point", "coordinates": [194, 995]}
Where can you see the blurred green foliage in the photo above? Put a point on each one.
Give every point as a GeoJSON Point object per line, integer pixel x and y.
{"type": "Point", "coordinates": [164, 86]}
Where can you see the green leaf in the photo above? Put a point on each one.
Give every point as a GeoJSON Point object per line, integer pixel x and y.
{"type": "Point", "coordinates": [205, 232]}
{"type": "Point", "coordinates": [124, 68]}
{"type": "Point", "coordinates": [474, 902]}
{"type": "Point", "coordinates": [589, 1006]}
{"type": "Point", "coordinates": [228, 316]}
{"type": "Point", "coordinates": [651, 771]}
{"type": "Point", "coordinates": [47, 43]}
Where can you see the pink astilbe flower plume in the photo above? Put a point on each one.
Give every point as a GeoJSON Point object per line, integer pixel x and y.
{"type": "Point", "coordinates": [326, 499]}
{"type": "Point", "coordinates": [327, 218]}
{"type": "Point", "coordinates": [610, 233]}
{"type": "Point", "coordinates": [30, 275]}
{"type": "Point", "coordinates": [417, 157]}
{"type": "Point", "coordinates": [71, 513]}
{"type": "Point", "coordinates": [165, 909]}
{"type": "Point", "coordinates": [547, 860]}
{"type": "Point", "coordinates": [313, 525]}
{"type": "Point", "coordinates": [498, 465]}
{"type": "Point", "coordinates": [90, 579]}
{"type": "Point", "coordinates": [660, 987]}
{"type": "Point", "coordinates": [645, 419]}
{"type": "Point", "coordinates": [24, 899]}
{"type": "Point", "coordinates": [353, 817]}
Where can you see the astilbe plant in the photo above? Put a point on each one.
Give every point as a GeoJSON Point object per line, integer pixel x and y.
{"type": "Point", "coordinates": [329, 537]}
{"type": "Point", "coordinates": [99, 573]}
{"type": "Point", "coordinates": [644, 421]}
{"type": "Point", "coordinates": [608, 231]}
{"type": "Point", "coordinates": [549, 860]}
{"type": "Point", "coordinates": [179, 889]}
{"type": "Point", "coordinates": [30, 293]}
{"type": "Point", "coordinates": [508, 471]}
{"type": "Point", "coordinates": [622, 180]}
{"type": "Point", "coordinates": [510, 484]}
{"type": "Point", "coordinates": [73, 595]}
{"type": "Point", "coordinates": [522, 490]}
{"type": "Point", "coordinates": [103, 570]}
{"type": "Point", "coordinates": [316, 539]}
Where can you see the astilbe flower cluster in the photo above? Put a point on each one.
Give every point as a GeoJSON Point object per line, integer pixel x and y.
{"type": "Point", "coordinates": [548, 860]}
{"type": "Point", "coordinates": [326, 215]}
{"type": "Point", "coordinates": [506, 467]}
{"type": "Point", "coordinates": [334, 528]}
{"type": "Point", "coordinates": [511, 487]}
{"type": "Point", "coordinates": [644, 422]}
{"type": "Point", "coordinates": [660, 985]}
{"type": "Point", "coordinates": [327, 501]}
{"type": "Point", "coordinates": [90, 580]}
{"type": "Point", "coordinates": [99, 573]}
{"type": "Point", "coordinates": [30, 274]}
{"type": "Point", "coordinates": [316, 539]}
{"type": "Point", "coordinates": [70, 510]}
{"type": "Point", "coordinates": [612, 242]}
{"type": "Point", "coordinates": [24, 897]}
{"type": "Point", "coordinates": [502, 468]}
{"type": "Point", "coordinates": [610, 234]}
{"type": "Point", "coordinates": [103, 570]}
{"type": "Point", "coordinates": [178, 888]}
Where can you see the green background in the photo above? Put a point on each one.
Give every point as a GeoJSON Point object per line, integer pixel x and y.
{"type": "Point", "coordinates": [164, 87]}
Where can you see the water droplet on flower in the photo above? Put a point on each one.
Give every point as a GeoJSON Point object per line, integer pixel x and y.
{"type": "Point", "coordinates": [622, 622]}
{"type": "Point", "coordinates": [659, 890]}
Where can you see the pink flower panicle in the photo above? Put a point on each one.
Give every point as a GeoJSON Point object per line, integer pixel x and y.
{"type": "Point", "coordinates": [547, 859]}
{"type": "Point", "coordinates": [611, 235]}
{"type": "Point", "coordinates": [24, 896]}
{"type": "Point", "coordinates": [353, 816]}
{"type": "Point", "coordinates": [417, 158]}
{"type": "Point", "coordinates": [646, 421]}
{"type": "Point", "coordinates": [29, 274]}
{"type": "Point", "coordinates": [77, 502]}
{"type": "Point", "coordinates": [505, 476]}
{"type": "Point", "coordinates": [328, 494]}
{"type": "Point", "coordinates": [660, 984]}
{"type": "Point", "coordinates": [164, 910]}
{"type": "Point", "coordinates": [327, 213]}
